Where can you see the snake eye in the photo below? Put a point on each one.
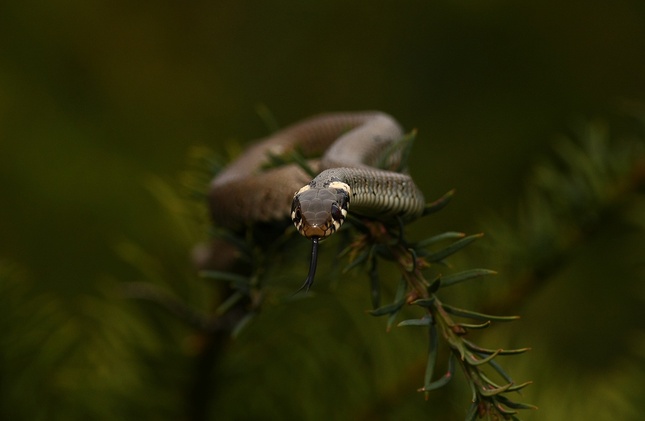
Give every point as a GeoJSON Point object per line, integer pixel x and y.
{"type": "Point", "coordinates": [296, 214]}
{"type": "Point", "coordinates": [336, 213]}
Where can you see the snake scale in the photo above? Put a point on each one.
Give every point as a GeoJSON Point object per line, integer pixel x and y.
{"type": "Point", "coordinates": [350, 147]}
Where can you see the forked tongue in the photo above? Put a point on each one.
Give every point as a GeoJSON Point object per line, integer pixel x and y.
{"type": "Point", "coordinates": [312, 266]}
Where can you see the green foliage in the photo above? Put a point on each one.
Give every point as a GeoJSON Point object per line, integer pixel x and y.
{"type": "Point", "coordinates": [575, 251]}
{"type": "Point", "coordinates": [487, 398]}
{"type": "Point", "coordinates": [72, 359]}
{"type": "Point", "coordinates": [591, 177]}
{"type": "Point", "coordinates": [96, 96]}
{"type": "Point", "coordinates": [95, 355]}
{"type": "Point", "coordinates": [263, 255]}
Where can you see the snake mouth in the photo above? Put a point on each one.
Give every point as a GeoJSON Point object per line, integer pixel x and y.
{"type": "Point", "coordinates": [311, 231]}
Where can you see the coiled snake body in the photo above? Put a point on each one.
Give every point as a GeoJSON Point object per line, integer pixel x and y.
{"type": "Point", "coordinates": [351, 146]}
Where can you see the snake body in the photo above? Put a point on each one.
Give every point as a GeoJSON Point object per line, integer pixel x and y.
{"type": "Point", "coordinates": [350, 146]}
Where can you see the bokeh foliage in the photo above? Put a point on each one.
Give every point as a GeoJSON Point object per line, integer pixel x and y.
{"type": "Point", "coordinates": [101, 103]}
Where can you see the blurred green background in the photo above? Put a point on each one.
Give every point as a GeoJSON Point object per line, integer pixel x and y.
{"type": "Point", "coordinates": [102, 105]}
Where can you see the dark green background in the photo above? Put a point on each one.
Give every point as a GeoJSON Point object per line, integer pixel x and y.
{"type": "Point", "coordinates": [99, 101]}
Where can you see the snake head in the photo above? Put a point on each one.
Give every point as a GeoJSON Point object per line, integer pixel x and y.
{"type": "Point", "coordinates": [320, 211]}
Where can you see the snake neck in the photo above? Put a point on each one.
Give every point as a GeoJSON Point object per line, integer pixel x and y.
{"type": "Point", "coordinates": [320, 207]}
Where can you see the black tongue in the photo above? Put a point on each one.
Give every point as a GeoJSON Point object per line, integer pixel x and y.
{"type": "Point", "coordinates": [312, 266]}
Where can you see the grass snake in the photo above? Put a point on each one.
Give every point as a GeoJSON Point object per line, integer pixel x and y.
{"type": "Point", "coordinates": [357, 162]}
